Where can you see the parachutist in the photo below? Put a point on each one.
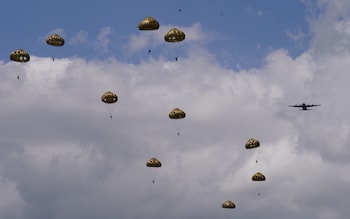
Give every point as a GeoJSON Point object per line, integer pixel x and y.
{"type": "Point", "coordinates": [176, 58]}
{"type": "Point", "coordinates": [17, 77]}
{"type": "Point", "coordinates": [53, 59]}
{"type": "Point", "coordinates": [178, 133]}
{"type": "Point", "coordinates": [256, 161]}
{"type": "Point", "coordinates": [111, 116]}
{"type": "Point", "coordinates": [259, 194]}
{"type": "Point", "coordinates": [149, 51]}
{"type": "Point", "coordinates": [153, 181]}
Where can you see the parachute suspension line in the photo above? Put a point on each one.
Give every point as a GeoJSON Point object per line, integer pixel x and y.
{"type": "Point", "coordinates": [177, 129]}
{"type": "Point", "coordinates": [110, 110]}
{"type": "Point", "coordinates": [258, 156]}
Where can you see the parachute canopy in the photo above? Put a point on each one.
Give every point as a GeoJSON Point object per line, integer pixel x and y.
{"type": "Point", "coordinates": [149, 23]}
{"type": "Point", "coordinates": [252, 143]}
{"type": "Point", "coordinates": [20, 55]}
{"type": "Point", "coordinates": [177, 114]}
{"type": "Point", "coordinates": [228, 204]}
{"type": "Point", "coordinates": [174, 35]}
{"type": "Point", "coordinates": [153, 162]}
{"type": "Point", "coordinates": [109, 97]}
{"type": "Point", "coordinates": [55, 40]}
{"type": "Point", "coordinates": [258, 177]}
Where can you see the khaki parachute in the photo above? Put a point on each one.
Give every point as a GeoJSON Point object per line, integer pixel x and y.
{"type": "Point", "coordinates": [55, 40]}
{"type": "Point", "coordinates": [20, 55]}
{"type": "Point", "coordinates": [109, 97]}
{"type": "Point", "coordinates": [258, 177]}
{"type": "Point", "coordinates": [174, 35]}
{"type": "Point", "coordinates": [149, 23]}
{"type": "Point", "coordinates": [177, 114]}
{"type": "Point", "coordinates": [153, 162]}
{"type": "Point", "coordinates": [252, 143]}
{"type": "Point", "coordinates": [228, 204]}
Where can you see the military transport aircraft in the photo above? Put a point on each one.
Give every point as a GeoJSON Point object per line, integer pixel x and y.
{"type": "Point", "coordinates": [304, 106]}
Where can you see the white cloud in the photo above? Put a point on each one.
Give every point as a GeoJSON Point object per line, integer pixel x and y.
{"type": "Point", "coordinates": [102, 40]}
{"type": "Point", "coordinates": [79, 38]}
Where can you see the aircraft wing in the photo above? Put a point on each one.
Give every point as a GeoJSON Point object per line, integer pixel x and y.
{"type": "Point", "coordinates": [312, 105]}
{"type": "Point", "coordinates": [296, 105]}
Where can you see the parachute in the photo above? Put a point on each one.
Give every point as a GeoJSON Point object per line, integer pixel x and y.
{"type": "Point", "coordinates": [258, 177]}
{"type": "Point", "coordinates": [177, 113]}
{"type": "Point", "coordinates": [109, 97]}
{"type": "Point", "coordinates": [174, 35]}
{"type": "Point", "coordinates": [228, 204]}
{"type": "Point", "coordinates": [149, 23]}
{"type": "Point", "coordinates": [153, 162]}
{"type": "Point", "coordinates": [55, 40]}
{"type": "Point", "coordinates": [20, 55]}
{"type": "Point", "coordinates": [252, 143]}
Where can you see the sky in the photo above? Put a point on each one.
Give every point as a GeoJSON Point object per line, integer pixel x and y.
{"type": "Point", "coordinates": [242, 63]}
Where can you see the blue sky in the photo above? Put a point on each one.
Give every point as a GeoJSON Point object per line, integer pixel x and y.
{"type": "Point", "coordinates": [242, 63]}
{"type": "Point", "coordinates": [243, 32]}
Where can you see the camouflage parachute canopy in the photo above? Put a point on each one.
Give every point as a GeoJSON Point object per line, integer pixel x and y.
{"type": "Point", "coordinates": [258, 177]}
{"type": "Point", "coordinates": [149, 23]}
{"type": "Point", "coordinates": [228, 204]}
{"type": "Point", "coordinates": [109, 97]}
{"type": "Point", "coordinates": [174, 35]}
{"type": "Point", "coordinates": [252, 143]}
{"type": "Point", "coordinates": [20, 55]}
{"type": "Point", "coordinates": [55, 40]}
{"type": "Point", "coordinates": [153, 162]}
{"type": "Point", "coordinates": [177, 114]}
